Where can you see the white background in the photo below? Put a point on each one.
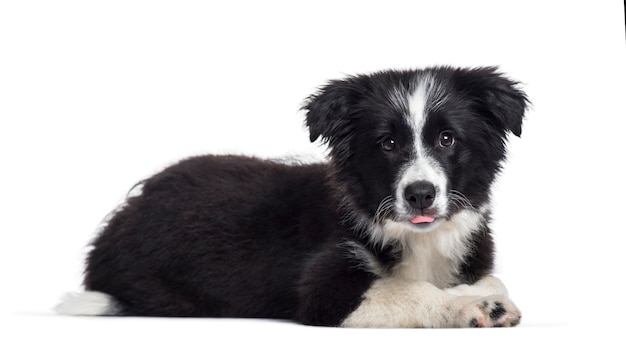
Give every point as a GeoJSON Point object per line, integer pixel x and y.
{"type": "Point", "coordinates": [95, 96]}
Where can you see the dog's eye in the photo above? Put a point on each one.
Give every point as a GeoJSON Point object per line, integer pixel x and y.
{"type": "Point", "coordinates": [388, 144]}
{"type": "Point", "coordinates": [446, 139]}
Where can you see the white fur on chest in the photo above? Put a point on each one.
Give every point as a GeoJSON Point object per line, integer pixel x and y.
{"type": "Point", "coordinates": [434, 256]}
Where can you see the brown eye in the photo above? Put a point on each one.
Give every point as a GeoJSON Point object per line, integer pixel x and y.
{"type": "Point", "coordinates": [446, 139]}
{"type": "Point", "coordinates": [388, 144]}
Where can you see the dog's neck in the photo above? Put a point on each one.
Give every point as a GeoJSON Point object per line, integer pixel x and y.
{"type": "Point", "coordinates": [434, 256]}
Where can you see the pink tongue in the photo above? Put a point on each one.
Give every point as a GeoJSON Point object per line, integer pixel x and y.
{"type": "Point", "coordinates": [422, 219]}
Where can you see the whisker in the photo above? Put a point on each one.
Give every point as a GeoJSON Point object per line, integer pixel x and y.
{"type": "Point", "coordinates": [384, 209]}
{"type": "Point", "coordinates": [460, 200]}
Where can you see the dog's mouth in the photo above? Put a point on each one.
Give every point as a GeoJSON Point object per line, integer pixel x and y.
{"type": "Point", "coordinates": [424, 219]}
{"type": "Point", "coordinates": [423, 223]}
{"type": "Point", "coordinates": [421, 219]}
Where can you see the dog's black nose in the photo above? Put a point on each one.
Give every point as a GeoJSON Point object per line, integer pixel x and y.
{"type": "Point", "coordinates": [420, 194]}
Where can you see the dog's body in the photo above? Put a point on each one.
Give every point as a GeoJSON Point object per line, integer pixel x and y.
{"type": "Point", "coordinates": [392, 232]}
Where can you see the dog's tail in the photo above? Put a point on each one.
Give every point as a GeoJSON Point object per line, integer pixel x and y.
{"type": "Point", "coordinates": [88, 303]}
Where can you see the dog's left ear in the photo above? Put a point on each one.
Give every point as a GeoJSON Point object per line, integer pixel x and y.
{"type": "Point", "coordinates": [499, 97]}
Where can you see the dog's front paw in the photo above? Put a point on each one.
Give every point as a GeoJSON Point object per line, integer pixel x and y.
{"type": "Point", "coordinates": [490, 311]}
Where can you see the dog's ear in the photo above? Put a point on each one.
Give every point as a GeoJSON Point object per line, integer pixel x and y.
{"type": "Point", "coordinates": [328, 111]}
{"type": "Point", "coordinates": [498, 97]}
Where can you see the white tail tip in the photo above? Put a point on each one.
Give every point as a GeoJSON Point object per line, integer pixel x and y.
{"type": "Point", "coordinates": [88, 303]}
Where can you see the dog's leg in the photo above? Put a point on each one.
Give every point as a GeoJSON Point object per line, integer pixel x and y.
{"type": "Point", "coordinates": [393, 302]}
{"type": "Point", "coordinates": [489, 285]}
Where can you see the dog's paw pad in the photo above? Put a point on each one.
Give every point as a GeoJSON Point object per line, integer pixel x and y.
{"type": "Point", "coordinates": [493, 311]}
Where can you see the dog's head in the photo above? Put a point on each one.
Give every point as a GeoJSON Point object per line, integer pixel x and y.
{"type": "Point", "coordinates": [414, 148]}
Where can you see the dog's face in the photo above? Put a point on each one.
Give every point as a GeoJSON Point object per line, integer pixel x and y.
{"type": "Point", "coordinates": [414, 148]}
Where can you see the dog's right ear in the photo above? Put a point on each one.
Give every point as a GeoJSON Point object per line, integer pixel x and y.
{"type": "Point", "coordinates": [328, 111]}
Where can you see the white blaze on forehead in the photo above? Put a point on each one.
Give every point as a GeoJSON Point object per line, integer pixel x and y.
{"type": "Point", "coordinates": [428, 96]}
{"type": "Point", "coordinates": [417, 109]}
{"type": "Point", "coordinates": [422, 166]}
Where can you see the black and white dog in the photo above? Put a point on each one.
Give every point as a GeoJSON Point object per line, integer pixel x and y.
{"type": "Point", "coordinates": [392, 232]}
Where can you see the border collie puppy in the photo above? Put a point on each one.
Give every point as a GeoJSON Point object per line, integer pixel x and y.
{"type": "Point", "coordinates": [392, 232]}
